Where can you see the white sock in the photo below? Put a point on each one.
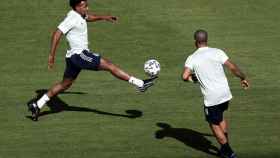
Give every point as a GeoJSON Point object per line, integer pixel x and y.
{"type": "Point", "coordinates": [42, 101]}
{"type": "Point", "coordinates": [135, 81]}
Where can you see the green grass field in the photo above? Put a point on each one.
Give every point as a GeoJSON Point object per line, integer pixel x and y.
{"type": "Point", "coordinates": [95, 122]}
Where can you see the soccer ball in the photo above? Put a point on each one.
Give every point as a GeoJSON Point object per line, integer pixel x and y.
{"type": "Point", "coordinates": [152, 67]}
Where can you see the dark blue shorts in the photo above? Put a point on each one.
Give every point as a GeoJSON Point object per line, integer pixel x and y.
{"type": "Point", "coordinates": [77, 62]}
{"type": "Point", "coordinates": [214, 114]}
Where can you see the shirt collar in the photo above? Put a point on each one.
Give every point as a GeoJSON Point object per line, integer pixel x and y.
{"type": "Point", "coordinates": [77, 14]}
{"type": "Point", "coordinates": [202, 48]}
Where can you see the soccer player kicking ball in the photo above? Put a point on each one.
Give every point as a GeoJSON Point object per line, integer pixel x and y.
{"type": "Point", "coordinates": [79, 57]}
{"type": "Point", "coordinates": [207, 65]}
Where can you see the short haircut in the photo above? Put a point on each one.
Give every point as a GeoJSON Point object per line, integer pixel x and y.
{"type": "Point", "coordinates": [200, 36]}
{"type": "Point", "coordinates": [73, 3]}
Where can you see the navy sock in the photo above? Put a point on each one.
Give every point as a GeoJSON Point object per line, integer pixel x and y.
{"type": "Point", "coordinates": [226, 149]}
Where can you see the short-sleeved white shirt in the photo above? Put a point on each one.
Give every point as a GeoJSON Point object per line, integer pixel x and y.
{"type": "Point", "coordinates": [74, 26]}
{"type": "Point", "coordinates": [207, 64]}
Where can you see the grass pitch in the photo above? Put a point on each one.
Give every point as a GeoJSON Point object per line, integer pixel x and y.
{"type": "Point", "coordinates": [104, 117]}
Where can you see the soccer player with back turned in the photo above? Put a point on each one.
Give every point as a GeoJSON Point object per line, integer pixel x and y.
{"type": "Point", "coordinates": [79, 57]}
{"type": "Point", "coordinates": [207, 65]}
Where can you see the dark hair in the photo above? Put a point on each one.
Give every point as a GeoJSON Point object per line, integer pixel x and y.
{"type": "Point", "coordinates": [73, 3]}
{"type": "Point", "coordinates": [200, 36]}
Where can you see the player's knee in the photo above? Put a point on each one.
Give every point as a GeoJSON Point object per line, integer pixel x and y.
{"type": "Point", "coordinates": [68, 86]}
{"type": "Point", "coordinates": [107, 65]}
{"type": "Point", "coordinates": [222, 139]}
{"type": "Point", "coordinates": [111, 67]}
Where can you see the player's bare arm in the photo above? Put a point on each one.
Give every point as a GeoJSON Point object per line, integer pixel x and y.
{"type": "Point", "coordinates": [238, 73]}
{"type": "Point", "coordinates": [54, 43]}
{"type": "Point", "coordinates": [186, 76]}
{"type": "Point", "coordinates": [92, 18]}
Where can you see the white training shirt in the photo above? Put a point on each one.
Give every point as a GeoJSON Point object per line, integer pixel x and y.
{"type": "Point", "coordinates": [74, 26]}
{"type": "Point", "coordinates": [207, 64]}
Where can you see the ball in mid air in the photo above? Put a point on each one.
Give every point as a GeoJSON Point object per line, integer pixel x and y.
{"type": "Point", "coordinates": [152, 67]}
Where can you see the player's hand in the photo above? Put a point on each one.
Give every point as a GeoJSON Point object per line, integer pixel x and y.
{"type": "Point", "coordinates": [245, 84]}
{"type": "Point", "coordinates": [112, 19]}
{"type": "Point", "coordinates": [50, 62]}
{"type": "Point", "coordinates": [193, 78]}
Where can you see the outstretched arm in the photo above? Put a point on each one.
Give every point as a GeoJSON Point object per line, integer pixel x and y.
{"type": "Point", "coordinates": [91, 18]}
{"type": "Point", "coordinates": [238, 73]}
{"type": "Point", "coordinates": [54, 43]}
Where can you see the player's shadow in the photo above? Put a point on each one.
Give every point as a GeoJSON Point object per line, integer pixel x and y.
{"type": "Point", "coordinates": [189, 137]}
{"type": "Point", "coordinates": [57, 105]}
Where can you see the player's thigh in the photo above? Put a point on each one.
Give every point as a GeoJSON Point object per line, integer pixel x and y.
{"type": "Point", "coordinates": [71, 71]}
{"type": "Point", "coordinates": [213, 115]}
{"type": "Point", "coordinates": [87, 60]}
{"type": "Point", "coordinates": [224, 106]}
{"type": "Point", "coordinates": [106, 64]}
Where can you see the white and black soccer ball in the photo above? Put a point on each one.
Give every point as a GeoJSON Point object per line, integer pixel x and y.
{"type": "Point", "coordinates": [152, 67]}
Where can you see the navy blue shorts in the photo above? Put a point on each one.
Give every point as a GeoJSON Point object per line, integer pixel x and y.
{"type": "Point", "coordinates": [77, 62]}
{"type": "Point", "coordinates": [214, 114]}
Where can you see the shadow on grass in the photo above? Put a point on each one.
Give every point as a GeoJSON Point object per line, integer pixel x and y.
{"type": "Point", "coordinates": [57, 105]}
{"type": "Point", "coordinates": [191, 138]}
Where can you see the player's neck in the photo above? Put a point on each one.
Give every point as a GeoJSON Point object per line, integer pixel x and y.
{"type": "Point", "coordinates": [202, 45]}
{"type": "Point", "coordinates": [80, 13]}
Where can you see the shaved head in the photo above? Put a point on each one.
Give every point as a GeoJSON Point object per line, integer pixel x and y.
{"type": "Point", "coordinates": [200, 36]}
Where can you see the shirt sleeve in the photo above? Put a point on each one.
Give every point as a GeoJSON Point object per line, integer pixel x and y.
{"type": "Point", "coordinates": [222, 56]}
{"type": "Point", "coordinates": [67, 24]}
{"type": "Point", "coordinates": [188, 63]}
